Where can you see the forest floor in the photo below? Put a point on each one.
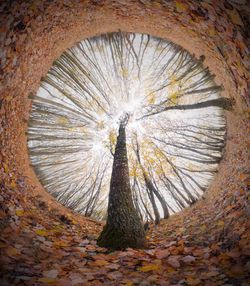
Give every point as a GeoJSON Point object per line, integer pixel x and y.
{"type": "Point", "coordinates": [201, 246]}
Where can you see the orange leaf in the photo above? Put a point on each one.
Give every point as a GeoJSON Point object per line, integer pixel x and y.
{"type": "Point", "coordinates": [129, 283]}
{"type": "Point", "coordinates": [100, 262]}
{"type": "Point", "coordinates": [12, 251]}
{"type": "Point", "coordinates": [243, 177]}
{"type": "Point", "coordinates": [193, 281]}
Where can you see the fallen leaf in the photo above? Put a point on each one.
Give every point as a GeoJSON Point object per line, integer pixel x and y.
{"type": "Point", "coordinates": [12, 251]}
{"type": "Point", "coordinates": [174, 261]}
{"type": "Point", "coordinates": [188, 259]}
{"type": "Point", "coordinates": [235, 17]}
{"type": "Point", "coordinates": [129, 283]}
{"type": "Point", "coordinates": [114, 275]}
{"type": "Point", "coordinates": [203, 228]}
{"type": "Point", "coordinates": [193, 281]}
{"type": "Point", "coordinates": [51, 273]}
{"type": "Point", "coordinates": [13, 185]}
{"type": "Point", "coordinates": [19, 212]}
{"type": "Point", "coordinates": [47, 280]}
{"type": "Point", "coordinates": [99, 262]}
{"type": "Point", "coordinates": [149, 267]}
{"type": "Point", "coordinates": [220, 223]}
{"type": "Point", "coordinates": [236, 271]}
{"type": "Point", "coordinates": [60, 243]}
{"type": "Point", "coordinates": [42, 232]}
{"type": "Point", "coordinates": [113, 266]}
{"type": "Point", "coordinates": [162, 253]}
{"type": "Point", "coordinates": [181, 7]}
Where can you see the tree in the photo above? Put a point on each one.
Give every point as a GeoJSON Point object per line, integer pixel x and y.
{"type": "Point", "coordinates": [124, 227]}
{"type": "Point", "coordinates": [174, 137]}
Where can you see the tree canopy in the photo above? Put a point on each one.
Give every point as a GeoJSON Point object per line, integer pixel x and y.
{"type": "Point", "coordinates": [175, 133]}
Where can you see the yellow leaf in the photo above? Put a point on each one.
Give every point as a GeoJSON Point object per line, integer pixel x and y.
{"type": "Point", "coordinates": [112, 137]}
{"type": "Point", "coordinates": [129, 283]}
{"type": "Point", "coordinates": [181, 7]}
{"type": "Point", "coordinates": [19, 212]}
{"type": "Point", "coordinates": [61, 244]}
{"type": "Point", "coordinates": [62, 120]}
{"type": "Point", "coordinates": [42, 232]}
{"type": "Point", "coordinates": [171, 270]}
{"type": "Point", "coordinates": [33, 7]}
{"type": "Point", "coordinates": [133, 172]}
{"type": "Point", "coordinates": [149, 267]}
{"type": "Point", "coordinates": [125, 72]}
{"type": "Point", "coordinates": [6, 168]}
{"type": "Point", "coordinates": [47, 280]}
{"type": "Point", "coordinates": [203, 228]}
{"type": "Point", "coordinates": [173, 97]}
{"type": "Point", "coordinates": [235, 17]}
{"type": "Point", "coordinates": [220, 223]}
{"type": "Point", "coordinates": [151, 98]}
{"type": "Point", "coordinates": [13, 185]}
{"type": "Point", "coordinates": [191, 166]}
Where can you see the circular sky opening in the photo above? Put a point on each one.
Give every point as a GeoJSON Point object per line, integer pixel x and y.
{"type": "Point", "coordinates": [175, 130]}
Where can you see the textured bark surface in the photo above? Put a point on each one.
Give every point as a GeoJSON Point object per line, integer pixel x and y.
{"type": "Point", "coordinates": [124, 227]}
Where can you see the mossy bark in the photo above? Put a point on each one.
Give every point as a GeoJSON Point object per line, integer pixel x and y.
{"type": "Point", "coordinates": [124, 227]}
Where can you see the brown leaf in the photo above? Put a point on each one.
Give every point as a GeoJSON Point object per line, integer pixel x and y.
{"type": "Point", "coordinates": [160, 254]}
{"type": "Point", "coordinates": [235, 17]}
{"type": "Point", "coordinates": [193, 281]}
{"type": "Point", "coordinates": [12, 251]}
{"type": "Point", "coordinates": [174, 261]}
{"type": "Point", "coordinates": [113, 266]}
{"type": "Point", "coordinates": [114, 275]}
{"type": "Point", "coordinates": [188, 259]}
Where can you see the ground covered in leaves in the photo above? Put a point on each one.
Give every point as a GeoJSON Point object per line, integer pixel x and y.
{"type": "Point", "coordinates": [202, 246]}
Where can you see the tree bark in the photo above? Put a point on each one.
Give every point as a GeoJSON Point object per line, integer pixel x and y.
{"type": "Point", "coordinates": [124, 227]}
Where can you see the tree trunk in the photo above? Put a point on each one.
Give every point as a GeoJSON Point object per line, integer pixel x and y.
{"type": "Point", "coordinates": [124, 227]}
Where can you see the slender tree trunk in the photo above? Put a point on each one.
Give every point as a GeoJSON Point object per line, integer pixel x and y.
{"type": "Point", "coordinates": [152, 190]}
{"type": "Point", "coordinates": [124, 227]}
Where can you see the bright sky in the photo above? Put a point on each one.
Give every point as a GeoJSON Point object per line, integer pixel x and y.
{"type": "Point", "coordinates": [75, 117]}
